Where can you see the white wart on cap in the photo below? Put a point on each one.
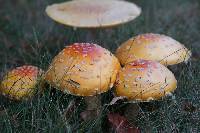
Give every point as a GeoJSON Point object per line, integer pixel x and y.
{"type": "Point", "coordinates": [83, 69]}
{"type": "Point", "coordinates": [155, 47]}
{"type": "Point", "coordinates": [20, 82]}
{"type": "Point", "coordinates": [93, 13]}
{"type": "Point", "coordinates": [144, 80]}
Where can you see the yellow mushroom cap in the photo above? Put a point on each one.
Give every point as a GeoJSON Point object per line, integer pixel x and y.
{"type": "Point", "coordinates": [149, 46]}
{"type": "Point", "coordinates": [20, 82]}
{"type": "Point", "coordinates": [83, 69]}
{"type": "Point", "coordinates": [144, 80]}
{"type": "Point", "coordinates": [95, 13]}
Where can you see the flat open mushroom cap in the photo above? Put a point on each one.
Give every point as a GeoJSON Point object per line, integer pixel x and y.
{"type": "Point", "coordinates": [155, 47]}
{"type": "Point", "coordinates": [83, 69]}
{"type": "Point", "coordinates": [144, 80]}
{"type": "Point", "coordinates": [93, 13]}
{"type": "Point", "coordinates": [20, 82]}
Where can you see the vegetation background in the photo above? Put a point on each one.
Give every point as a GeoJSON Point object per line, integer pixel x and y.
{"type": "Point", "coordinates": [28, 36]}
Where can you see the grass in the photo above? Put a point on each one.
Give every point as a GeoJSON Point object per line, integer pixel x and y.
{"type": "Point", "coordinates": [28, 36]}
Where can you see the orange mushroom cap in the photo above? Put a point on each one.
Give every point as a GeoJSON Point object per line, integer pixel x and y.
{"type": "Point", "coordinates": [144, 80]}
{"type": "Point", "coordinates": [83, 69]}
{"type": "Point", "coordinates": [155, 47]}
{"type": "Point", "coordinates": [20, 82]}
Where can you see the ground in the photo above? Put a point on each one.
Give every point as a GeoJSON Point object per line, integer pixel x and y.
{"type": "Point", "coordinates": [28, 36]}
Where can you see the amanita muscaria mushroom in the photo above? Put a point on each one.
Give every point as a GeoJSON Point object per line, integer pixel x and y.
{"type": "Point", "coordinates": [83, 69]}
{"type": "Point", "coordinates": [20, 83]}
{"type": "Point", "coordinates": [155, 47]}
{"type": "Point", "coordinates": [93, 14]}
{"type": "Point", "coordinates": [145, 80]}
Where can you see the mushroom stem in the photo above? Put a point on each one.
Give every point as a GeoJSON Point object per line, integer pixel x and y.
{"type": "Point", "coordinates": [93, 103]}
{"type": "Point", "coordinates": [93, 107]}
{"type": "Point", "coordinates": [95, 35]}
{"type": "Point", "coordinates": [91, 36]}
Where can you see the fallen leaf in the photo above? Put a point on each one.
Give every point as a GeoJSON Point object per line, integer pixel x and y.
{"type": "Point", "coordinates": [121, 125]}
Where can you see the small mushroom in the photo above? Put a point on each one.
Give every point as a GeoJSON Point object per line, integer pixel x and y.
{"type": "Point", "coordinates": [20, 83]}
{"type": "Point", "coordinates": [144, 80]}
{"type": "Point", "coordinates": [83, 69]}
{"type": "Point", "coordinates": [155, 47]}
{"type": "Point", "coordinates": [93, 14]}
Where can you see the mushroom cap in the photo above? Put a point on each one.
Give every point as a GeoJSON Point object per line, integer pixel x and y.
{"type": "Point", "coordinates": [144, 80]}
{"type": "Point", "coordinates": [149, 46]}
{"type": "Point", "coordinates": [83, 69]}
{"type": "Point", "coordinates": [20, 82]}
{"type": "Point", "coordinates": [93, 14]}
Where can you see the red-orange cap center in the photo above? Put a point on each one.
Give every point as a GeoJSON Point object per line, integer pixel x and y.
{"type": "Point", "coordinates": [84, 50]}
{"type": "Point", "coordinates": [26, 70]}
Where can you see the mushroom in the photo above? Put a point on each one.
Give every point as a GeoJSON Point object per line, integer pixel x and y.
{"type": "Point", "coordinates": [155, 47]}
{"type": "Point", "coordinates": [93, 14]}
{"type": "Point", "coordinates": [83, 69]}
{"type": "Point", "coordinates": [20, 83]}
{"type": "Point", "coordinates": [143, 81]}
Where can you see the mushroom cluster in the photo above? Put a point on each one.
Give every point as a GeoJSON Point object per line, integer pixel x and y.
{"type": "Point", "coordinates": [143, 76]}
{"type": "Point", "coordinates": [87, 69]}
